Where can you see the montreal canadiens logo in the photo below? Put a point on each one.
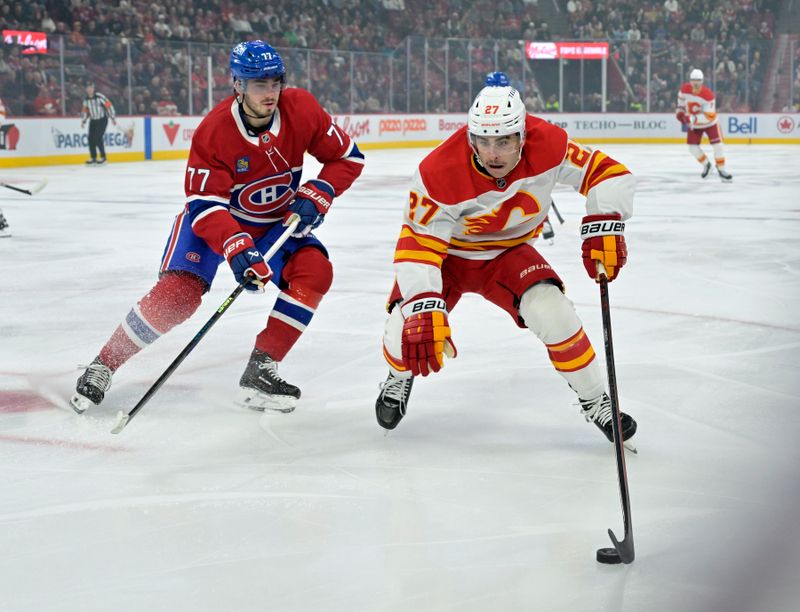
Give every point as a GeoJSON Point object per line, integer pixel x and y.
{"type": "Point", "coordinates": [267, 195]}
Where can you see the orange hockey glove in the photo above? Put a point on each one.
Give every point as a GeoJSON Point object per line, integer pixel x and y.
{"type": "Point", "coordinates": [603, 241]}
{"type": "Point", "coordinates": [426, 334]}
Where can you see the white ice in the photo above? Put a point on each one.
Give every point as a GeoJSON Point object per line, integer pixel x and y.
{"type": "Point", "coordinates": [492, 494]}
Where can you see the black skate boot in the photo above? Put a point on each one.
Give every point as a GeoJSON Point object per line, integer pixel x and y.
{"type": "Point", "coordinates": [91, 387]}
{"type": "Point", "coordinates": [390, 407]}
{"type": "Point", "coordinates": [726, 176]}
{"type": "Point", "coordinates": [4, 231]}
{"type": "Point", "coordinates": [261, 387]}
{"type": "Point", "coordinates": [599, 411]}
{"type": "Point", "coordinates": [547, 230]}
{"type": "Point", "coordinates": [706, 169]}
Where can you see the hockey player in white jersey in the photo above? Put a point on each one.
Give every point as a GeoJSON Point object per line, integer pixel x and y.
{"type": "Point", "coordinates": [697, 111]}
{"type": "Point", "coordinates": [477, 204]}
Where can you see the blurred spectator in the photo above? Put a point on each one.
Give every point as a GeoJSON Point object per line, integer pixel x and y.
{"type": "Point", "coordinates": [166, 107]}
{"type": "Point", "coordinates": [671, 32]}
{"type": "Point", "coordinates": [47, 24]}
{"type": "Point", "coordinates": [45, 104]}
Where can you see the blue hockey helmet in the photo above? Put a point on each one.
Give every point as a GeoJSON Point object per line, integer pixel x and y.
{"type": "Point", "coordinates": [255, 59]}
{"type": "Point", "coordinates": [496, 79]}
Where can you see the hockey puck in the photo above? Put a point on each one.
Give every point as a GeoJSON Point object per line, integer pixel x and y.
{"type": "Point", "coordinates": [609, 556]}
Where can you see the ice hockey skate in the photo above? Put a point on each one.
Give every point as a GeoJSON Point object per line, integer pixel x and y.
{"type": "Point", "coordinates": [92, 386]}
{"type": "Point", "coordinates": [724, 175]}
{"type": "Point", "coordinates": [4, 231]}
{"type": "Point", "coordinates": [547, 230]}
{"type": "Point", "coordinates": [261, 387]}
{"type": "Point", "coordinates": [706, 169]}
{"type": "Point", "coordinates": [390, 407]}
{"type": "Point", "coordinates": [598, 410]}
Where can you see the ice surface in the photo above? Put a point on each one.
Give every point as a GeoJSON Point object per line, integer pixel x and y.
{"type": "Point", "coordinates": [493, 493]}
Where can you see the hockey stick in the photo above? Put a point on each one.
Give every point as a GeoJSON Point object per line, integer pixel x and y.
{"type": "Point", "coordinates": [625, 547]}
{"type": "Point", "coordinates": [122, 418]}
{"type": "Point", "coordinates": [35, 189]}
{"type": "Point", "coordinates": [558, 214]}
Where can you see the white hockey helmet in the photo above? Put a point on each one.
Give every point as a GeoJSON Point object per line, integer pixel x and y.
{"type": "Point", "coordinates": [497, 111]}
{"type": "Point", "coordinates": [696, 75]}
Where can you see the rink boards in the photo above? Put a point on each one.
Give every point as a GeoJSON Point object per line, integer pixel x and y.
{"type": "Point", "coordinates": [41, 142]}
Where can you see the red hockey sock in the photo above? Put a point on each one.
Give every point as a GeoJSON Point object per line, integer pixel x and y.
{"type": "Point", "coordinates": [172, 300]}
{"type": "Point", "coordinates": [309, 275]}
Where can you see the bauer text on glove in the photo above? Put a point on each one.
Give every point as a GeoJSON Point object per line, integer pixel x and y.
{"type": "Point", "coordinates": [246, 261]}
{"type": "Point", "coordinates": [426, 334]}
{"type": "Point", "coordinates": [312, 201]}
{"type": "Point", "coordinates": [603, 241]}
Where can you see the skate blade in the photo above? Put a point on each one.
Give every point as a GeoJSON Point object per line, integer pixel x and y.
{"type": "Point", "coordinates": [267, 403]}
{"type": "Point", "coordinates": [80, 404]}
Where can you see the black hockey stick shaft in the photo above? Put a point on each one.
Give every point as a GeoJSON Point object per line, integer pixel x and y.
{"type": "Point", "coordinates": [20, 189]}
{"type": "Point", "coordinates": [625, 547]}
{"type": "Point", "coordinates": [126, 418]}
{"type": "Point", "coordinates": [33, 190]}
{"type": "Point", "coordinates": [122, 418]}
{"type": "Point", "coordinates": [558, 214]}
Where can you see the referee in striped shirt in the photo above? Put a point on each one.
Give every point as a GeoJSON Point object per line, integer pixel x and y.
{"type": "Point", "coordinates": [98, 110]}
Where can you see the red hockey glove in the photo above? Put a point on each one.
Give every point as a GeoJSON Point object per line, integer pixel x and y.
{"type": "Point", "coordinates": [312, 201]}
{"type": "Point", "coordinates": [683, 117]}
{"type": "Point", "coordinates": [245, 260]}
{"type": "Point", "coordinates": [426, 334]}
{"type": "Point", "coordinates": [603, 241]}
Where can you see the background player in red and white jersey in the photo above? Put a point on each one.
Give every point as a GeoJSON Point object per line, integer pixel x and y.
{"type": "Point", "coordinates": [697, 111]}
{"type": "Point", "coordinates": [242, 183]}
{"type": "Point", "coordinates": [477, 205]}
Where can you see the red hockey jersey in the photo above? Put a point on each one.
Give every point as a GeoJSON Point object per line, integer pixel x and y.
{"type": "Point", "coordinates": [237, 181]}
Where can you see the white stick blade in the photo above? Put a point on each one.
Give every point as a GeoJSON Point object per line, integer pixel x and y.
{"type": "Point", "coordinates": [39, 186]}
{"type": "Point", "coordinates": [122, 421]}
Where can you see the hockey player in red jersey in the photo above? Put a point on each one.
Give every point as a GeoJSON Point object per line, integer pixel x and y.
{"type": "Point", "coordinates": [696, 110]}
{"type": "Point", "coordinates": [477, 204]}
{"type": "Point", "coordinates": [242, 183]}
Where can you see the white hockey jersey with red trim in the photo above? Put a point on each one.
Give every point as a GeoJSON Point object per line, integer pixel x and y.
{"type": "Point", "coordinates": [456, 209]}
{"type": "Point", "coordinates": [700, 107]}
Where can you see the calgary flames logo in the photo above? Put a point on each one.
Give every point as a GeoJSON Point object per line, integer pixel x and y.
{"type": "Point", "coordinates": [497, 220]}
{"type": "Point", "coordinates": [267, 195]}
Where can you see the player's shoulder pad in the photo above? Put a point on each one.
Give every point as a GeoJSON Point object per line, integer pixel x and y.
{"type": "Point", "coordinates": [706, 93]}
{"type": "Point", "coordinates": [545, 144]}
{"type": "Point", "coordinates": [446, 169]}
{"type": "Point", "coordinates": [213, 120]}
{"type": "Point", "coordinates": [297, 97]}
{"type": "Point", "coordinates": [686, 88]}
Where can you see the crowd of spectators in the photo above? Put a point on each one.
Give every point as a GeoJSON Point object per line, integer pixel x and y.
{"type": "Point", "coordinates": [164, 34]}
{"type": "Point", "coordinates": [729, 41]}
{"type": "Point", "coordinates": [794, 104]}
{"type": "Point", "coordinates": [352, 53]}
